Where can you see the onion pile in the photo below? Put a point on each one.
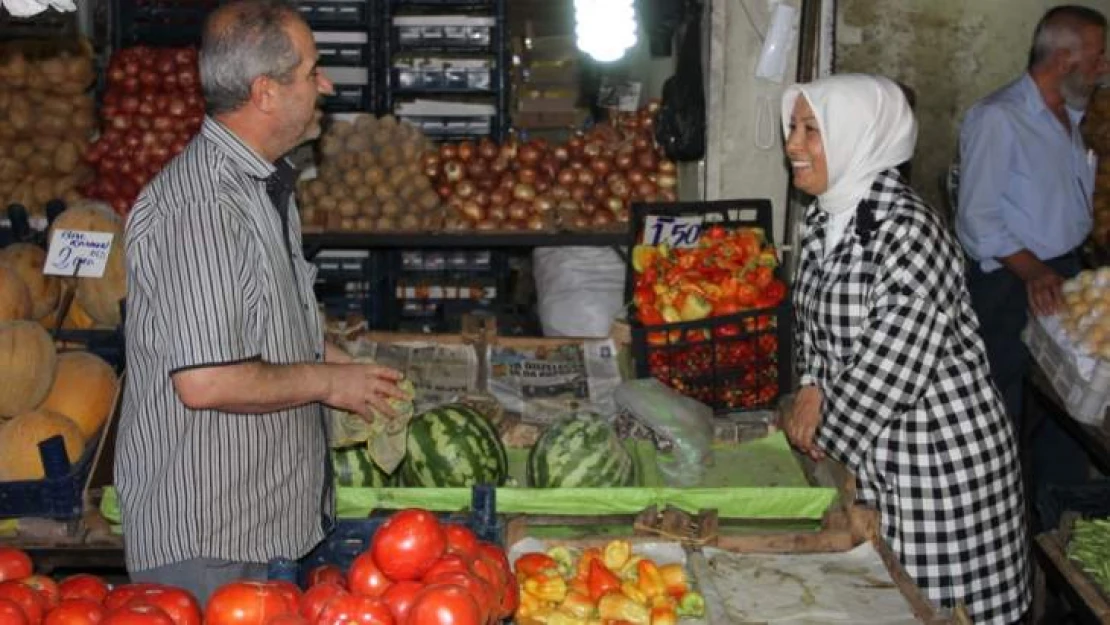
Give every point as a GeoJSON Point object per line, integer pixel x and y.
{"type": "Point", "coordinates": [152, 108]}
{"type": "Point", "coordinates": [1096, 134]}
{"type": "Point", "coordinates": [370, 178]}
{"type": "Point", "coordinates": [46, 117]}
{"type": "Point", "coordinates": [588, 183]}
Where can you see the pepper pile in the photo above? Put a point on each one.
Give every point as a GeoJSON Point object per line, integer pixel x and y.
{"type": "Point", "coordinates": [726, 363]}
{"type": "Point", "coordinates": [571, 587]}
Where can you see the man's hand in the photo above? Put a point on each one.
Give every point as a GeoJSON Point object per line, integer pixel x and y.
{"type": "Point", "coordinates": [801, 424]}
{"type": "Point", "coordinates": [359, 387]}
{"type": "Point", "coordinates": [1045, 289]}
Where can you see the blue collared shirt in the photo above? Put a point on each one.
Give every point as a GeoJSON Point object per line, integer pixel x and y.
{"type": "Point", "coordinates": [1024, 182]}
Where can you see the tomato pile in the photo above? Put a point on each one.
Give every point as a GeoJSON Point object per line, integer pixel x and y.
{"type": "Point", "coordinates": [723, 362]}
{"type": "Point", "coordinates": [152, 108]}
{"type": "Point", "coordinates": [417, 571]}
{"type": "Point", "coordinates": [611, 584]}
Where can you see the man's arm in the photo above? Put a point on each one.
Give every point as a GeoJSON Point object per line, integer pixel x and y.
{"type": "Point", "coordinates": [986, 145]}
{"type": "Point", "coordinates": [336, 355]}
{"type": "Point", "coordinates": [260, 387]}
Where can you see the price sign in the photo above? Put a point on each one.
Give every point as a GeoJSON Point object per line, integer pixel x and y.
{"type": "Point", "coordinates": [673, 231]}
{"type": "Point", "coordinates": [78, 253]}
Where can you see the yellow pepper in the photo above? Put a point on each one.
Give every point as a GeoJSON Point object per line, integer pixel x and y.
{"type": "Point", "coordinates": [616, 606]}
{"type": "Point", "coordinates": [632, 592]}
{"type": "Point", "coordinates": [616, 554]}
{"type": "Point", "coordinates": [628, 571]}
{"type": "Point", "coordinates": [579, 604]}
{"type": "Point", "coordinates": [530, 605]}
{"type": "Point", "coordinates": [650, 580]}
{"type": "Point", "coordinates": [674, 579]}
{"type": "Point", "coordinates": [662, 615]}
{"type": "Point", "coordinates": [546, 586]}
{"type": "Point", "coordinates": [561, 617]}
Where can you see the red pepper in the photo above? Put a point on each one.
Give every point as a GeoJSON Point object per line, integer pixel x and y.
{"type": "Point", "coordinates": [601, 580]}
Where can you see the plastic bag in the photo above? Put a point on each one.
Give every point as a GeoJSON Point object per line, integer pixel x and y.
{"type": "Point", "coordinates": [385, 437]}
{"type": "Point", "coordinates": [685, 423]}
{"type": "Point", "coordinates": [580, 290]}
{"type": "Point", "coordinates": [680, 122]}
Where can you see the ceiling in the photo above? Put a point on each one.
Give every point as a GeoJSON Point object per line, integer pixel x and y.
{"type": "Point", "coordinates": [540, 18]}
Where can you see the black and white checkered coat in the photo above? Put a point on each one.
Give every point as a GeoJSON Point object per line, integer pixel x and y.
{"type": "Point", "coordinates": [885, 329]}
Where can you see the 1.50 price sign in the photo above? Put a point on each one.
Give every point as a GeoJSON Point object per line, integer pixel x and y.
{"type": "Point", "coordinates": [672, 231]}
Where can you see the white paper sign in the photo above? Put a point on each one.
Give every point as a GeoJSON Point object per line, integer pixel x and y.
{"type": "Point", "coordinates": [78, 252]}
{"type": "Point", "coordinates": [674, 231]}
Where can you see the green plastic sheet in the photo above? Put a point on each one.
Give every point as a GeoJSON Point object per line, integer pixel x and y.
{"type": "Point", "coordinates": [755, 480]}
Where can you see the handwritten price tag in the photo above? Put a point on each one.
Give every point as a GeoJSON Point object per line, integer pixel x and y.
{"type": "Point", "coordinates": [78, 253]}
{"type": "Point", "coordinates": [673, 231]}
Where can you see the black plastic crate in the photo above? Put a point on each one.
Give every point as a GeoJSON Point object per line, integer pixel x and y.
{"type": "Point", "coordinates": [345, 54]}
{"type": "Point", "coordinates": [350, 99]}
{"type": "Point", "coordinates": [159, 22]}
{"type": "Point", "coordinates": [352, 537]}
{"type": "Point", "coordinates": [60, 495]}
{"type": "Point", "coordinates": [337, 14]}
{"type": "Point", "coordinates": [350, 283]}
{"type": "Point", "coordinates": [732, 362]}
{"type": "Point", "coordinates": [49, 24]}
{"type": "Point", "coordinates": [1091, 500]}
{"type": "Point", "coordinates": [442, 79]}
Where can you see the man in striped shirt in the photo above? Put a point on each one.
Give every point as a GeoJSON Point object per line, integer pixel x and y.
{"type": "Point", "coordinates": [222, 459]}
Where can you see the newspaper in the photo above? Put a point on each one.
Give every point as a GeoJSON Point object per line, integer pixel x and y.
{"type": "Point", "coordinates": [441, 374]}
{"type": "Point", "coordinates": [542, 384]}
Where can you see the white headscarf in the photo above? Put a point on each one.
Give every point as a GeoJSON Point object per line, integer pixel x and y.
{"type": "Point", "coordinates": [866, 127]}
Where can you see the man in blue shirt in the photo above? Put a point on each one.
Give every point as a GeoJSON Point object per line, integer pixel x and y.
{"type": "Point", "coordinates": [1025, 188]}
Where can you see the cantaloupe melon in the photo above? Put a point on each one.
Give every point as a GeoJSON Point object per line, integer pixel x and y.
{"type": "Point", "coordinates": [15, 297]}
{"type": "Point", "coordinates": [83, 390]}
{"type": "Point", "coordinates": [76, 318]}
{"type": "Point", "coordinates": [20, 438]}
{"type": "Point", "coordinates": [27, 260]}
{"type": "Point", "coordinates": [99, 297]}
{"type": "Point", "coordinates": [27, 361]}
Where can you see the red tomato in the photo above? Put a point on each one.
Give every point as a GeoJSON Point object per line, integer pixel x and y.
{"type": "Point", "coordinates": [365, 578]}
{"type": "Point", "coordinates": [290, 590]}
{"type": "Point", "coordinates": [444, 604]}
{"type": "Point", "coordinates": [314, 599]}
{"type": "Point", "coordinates": [357, 610]}
{"type": "Point", "coordinates": [399, 598]}
{"type": "Point", "coordinates": [28, 599]}
{"type": "Point", "coordinates": [288, 619]}
{"type": "Point", "coordinates": [46, 587]}
{"type": "Point", "coordinates": [326, 573]}
{"type": "Point", "coordinates": [140, 614]}
{"type": "Point", "coordinates": [120, 595]}
{"type": "Point", "coordinates": [489, 572]}
{"type": "Point", "coordinates": [461, 540]}
{"type": "Point", "coordinates": [247, 603]}
{"type": "Point", "coordinates": [177, 603]}
{"type": "Point", "coordinates": [11, 613]}
{"type": "Point", "coordinates": [478, 590]}
{"type": "Point", "coordinates": [83, 586]}
{"type": "Point", "coordinates": [14, 563]}
{"type": "Point", "coordinates": [407, 544]}
{"type": "Point", "coordinates": [449, 563]}
{"type": "Point", "coordinates": [76, 612]}
{"type": "Point", "coordinates": [511, 595]}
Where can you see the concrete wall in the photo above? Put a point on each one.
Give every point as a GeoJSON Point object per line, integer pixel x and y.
{"type": "Point", "coordinates": [951, 52]}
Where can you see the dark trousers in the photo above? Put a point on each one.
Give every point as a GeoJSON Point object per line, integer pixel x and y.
{"type": "Point", "coordinates": [1002, 305]}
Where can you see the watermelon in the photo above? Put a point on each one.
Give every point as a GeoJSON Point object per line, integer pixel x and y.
{"type": "Point", "coordinates": [353, 467]}
{"type": "Point", "coordinates": [453, 446]}
{"type": "Point", "coordinates": [582, 451]}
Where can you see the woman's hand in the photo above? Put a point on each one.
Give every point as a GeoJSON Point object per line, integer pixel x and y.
{"type": "Point", "coordinates": [801, 424]}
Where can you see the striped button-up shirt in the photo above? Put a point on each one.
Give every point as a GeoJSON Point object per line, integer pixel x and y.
{"type": "Point", "coordinates": [214, 279]}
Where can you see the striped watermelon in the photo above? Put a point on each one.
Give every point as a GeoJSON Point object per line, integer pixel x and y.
{"type": "Point", "coordinates": [353, 467]}
{"type": "Point", "coordinates": [453, 446]}
{"type": "Point", "coordinates": [582, 451]}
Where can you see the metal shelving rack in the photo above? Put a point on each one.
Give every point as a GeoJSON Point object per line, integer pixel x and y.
{"type": "Point", "coordinates": [462, 81]}
{"type": "Point", "coordinates": [348, 41]}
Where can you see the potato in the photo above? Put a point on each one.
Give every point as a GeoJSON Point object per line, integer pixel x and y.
{"type": "Point", "coordinates": [23, 150]}
{"type": "Point", "coordinates": [389, 156]}
{"type": "Point", "coordinates": [64, 184]}
{"type": "Point", "coordinates": [341, 128]}
{"type": "Point", "coordinates": [370, 208]}
{"type": "Point", "coordinates": [61, 107]}
{"type": "Point", "coordinates": [346, 161]}
{"type": "Point", "coordinates": [7, 131]}
{"type": "Point", "coordinates": [410, 221]}
{"type": "Point", "coordinates": [391, 208]}
{"type": "Point", "coordinates": [11, 169]}
{"type": "Point", "coordinates": [385, 224]}
{"type": "Point", "coordinates": [332, 221]}
{"type": "Point", "coordinates": [39, 164]}
{"type": "Point", "coordinates": [54, 126]}
{"type": "Point", "coordinates": [398, 175]}
{"type": "Point", "coordinates": [374, 176]}
{"type": "Point", "coordinates": [66, 157]}
{"type": "Point", "coordinates": [43, 190]}
{"type": "Point", "coordinates": [327, 203]}
{"type": "Point", "coordinates": [19, 114]}
{"type": "Point", "coordinates": [364, 224]}
{"type": "Point", "coordinates": [346, 223]}
{"type": "Point", "coordinates": [317, 188]}
{"type": "Point", "coordinates": [357, 142]}
{"type": "Point", "coordinates": [365, 123]}
{"type": "Point", "coordinates": [420, 182]}
{"type": "Point", "coordinates": [410, 151]}
{"type": "Point", "coordinates": [365, 160]}
{"type": "Point", "coordinates": [362, 192]}
{"type": "Point", "coordinates": [83, 122]}
{"type": "Point", "coordinates": [329, 175]}
{"type": "Point", "coordinates": [352, 178]}
{"type": "Point", "coordinates": [347, 208]}
{"type": "Point", "coordinates": [387, 121]}
{"type": "Point", "coordinates": [72, 197]}
{"type": "Point", "coordinates": [330, 145]}
{"type": "Point", "coordinates": [384, 191]}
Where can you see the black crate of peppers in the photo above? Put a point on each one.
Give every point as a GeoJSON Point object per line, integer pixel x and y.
{"type": "Point", "coordinates": [709, 310]}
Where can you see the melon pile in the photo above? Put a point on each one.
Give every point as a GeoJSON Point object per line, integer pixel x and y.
{"type": "Point", "coordinates": [44, 393]}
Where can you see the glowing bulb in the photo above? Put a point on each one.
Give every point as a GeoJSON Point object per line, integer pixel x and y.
{"type": "Point", "coordinates": [605, 29]}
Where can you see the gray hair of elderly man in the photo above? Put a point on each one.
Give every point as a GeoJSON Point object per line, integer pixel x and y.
{"type": "Point", "coordinates": [1059, 29]}
{"type": "Point", "coordinates": [242, 41]}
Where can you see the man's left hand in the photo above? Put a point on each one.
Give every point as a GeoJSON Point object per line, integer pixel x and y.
{"type": "Point", "coordinates": [801, 424]}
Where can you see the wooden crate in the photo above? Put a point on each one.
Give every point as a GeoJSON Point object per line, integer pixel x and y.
{"type": "Point", "coordinates": [1086, 598]}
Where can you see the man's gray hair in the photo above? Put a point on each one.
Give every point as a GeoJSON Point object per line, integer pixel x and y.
{"type": "Point", "coordinates": [1059, 29]}
{"type": "Point", "coordinates": [242, 41]}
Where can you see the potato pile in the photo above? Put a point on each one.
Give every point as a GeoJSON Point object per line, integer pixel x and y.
{"type": "Point", "coordinates": [1086, 315]}
{"type": "Point", "coordinates": [369, 178]}
{"type": "Point", "coordinates": [46, 116]}
{"type": "Point", "coordinates": [1096, 133]}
